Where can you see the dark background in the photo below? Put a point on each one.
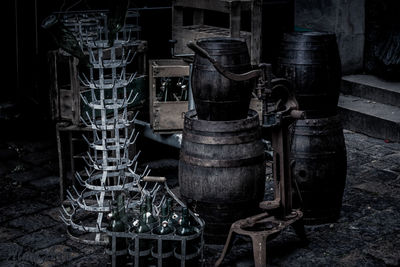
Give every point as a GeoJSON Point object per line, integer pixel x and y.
{"type": "Point", "coordinates": [24, 97]}
{"type": "Point", "coordinates": [25, 92]}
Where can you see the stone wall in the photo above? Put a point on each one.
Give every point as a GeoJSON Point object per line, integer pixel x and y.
{"type": "Point", "coordinates": [344, 17]}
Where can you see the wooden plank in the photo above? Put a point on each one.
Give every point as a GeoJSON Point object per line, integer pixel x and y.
{"type": "Point", "coordinates": [152, 91]}
{"type": "Point", "coordinates": [235, 14]}
{"type": "Point", "coordinates": [65, 127]}
{"type": "Point", "coordinates": [170, 71]}
{"type": "Point", "coordinates": [177, 16]}
{"type": "Point", "coordinates": [256, 32]}
{"type": "Point", "coordinates": [215, 5]}
{"type": "Point", "coordinates": [65, 104]}
{"type": "Point", "coordinates": [54, 96]}
{"type": "Point", "coordinates": [71, 156]}
{"type": "Point", "coordinates": [61, 163]}
{"type": "Point", "coordinates": [75, 90]}
{"type": "Point", "coordinates": [198, 16]}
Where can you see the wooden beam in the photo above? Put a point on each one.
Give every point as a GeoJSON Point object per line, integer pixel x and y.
{"type": "Point", "coordinates": [215, 5]}
{"type": "Point", "coordinates": [235, 14]}
{"type": "Point", "coordinates": [256, 32]}
{"type": "Point", "coordinates": [198, 17]}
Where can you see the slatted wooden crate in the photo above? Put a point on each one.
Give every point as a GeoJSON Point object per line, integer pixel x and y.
{"type": "Point", "coordinates": [185, 33]}
{"type": "Point", "coordinates": [166, 116]}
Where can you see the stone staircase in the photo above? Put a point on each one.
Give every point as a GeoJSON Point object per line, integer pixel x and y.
{"type": "Point", "coordinates": [370, 106]}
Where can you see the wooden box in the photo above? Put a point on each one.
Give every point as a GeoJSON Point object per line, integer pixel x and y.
{"type": "Point", "coordinates": [166, 116]}
{"type": "Point", "coordinates": [185, 33]}
{"type": "Point", "coordinates": [65, 87]}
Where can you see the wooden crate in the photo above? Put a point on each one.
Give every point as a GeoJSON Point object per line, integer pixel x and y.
{"type": "Point", "coordinates": [166, 116]}
{"type": "Point", "coordinates": [193, 32]}
{"type": "Point", "coordinates": [65, 88]}
{"type": "Point", "coordinates": [185, 33]}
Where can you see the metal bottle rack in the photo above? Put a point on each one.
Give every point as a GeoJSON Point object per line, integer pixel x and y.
{"type": "Point", "coordinates": [109, 163]}
{"type": "Point", "coordinates": [111, 170]}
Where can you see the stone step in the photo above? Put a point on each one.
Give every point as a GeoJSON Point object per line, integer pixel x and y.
{"type": "Point", "coordinates": [369, 117]}
{"type": "Point", "coordinates": [372, 88]}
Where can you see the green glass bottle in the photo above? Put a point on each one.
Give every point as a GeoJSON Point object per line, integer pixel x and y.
{"type": "Point", "coordinates": [140, 227]}
{"type": "Point", "coordinates": [164, 212]}
{"type": "Point", "coordinates": [121, 208]}
{"type": "Point", "coordinates": [164, 228]}
{"type": "Point", "coordinates": [173, 217]}
{"type": "Point", "coordinates": [150, 219]}
{"type": "Point", "coordinates": [166, 245]}
{"type": "Point", "coordinates": [185, 229]}
{"type": "Point", "coordinates": [117, 225]}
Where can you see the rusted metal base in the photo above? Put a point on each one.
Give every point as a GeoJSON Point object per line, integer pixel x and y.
{"type": "Point", "coordinates": [260, 228]}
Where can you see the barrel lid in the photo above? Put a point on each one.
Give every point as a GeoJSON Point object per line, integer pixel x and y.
{"type": "Point", "coordinates": [219, 40]}
{"type": "Point", "coordinates": [332, 121]}
{"type": "Point", "coordinates": [313, 36]}
{"type": "Point", "coordinates": [223, 44]}
{"type": "Point", "coordinates": [192, 122]}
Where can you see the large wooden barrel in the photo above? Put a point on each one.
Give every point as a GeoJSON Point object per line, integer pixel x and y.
{"type": "Point", "coordinates": [221, 171]}
{"type": "Point", "coordinates": [216, 97]}
{"type": "Point", "coordinates": [311, 61]}
{"type": "Point", "coordinates": [320, 165]}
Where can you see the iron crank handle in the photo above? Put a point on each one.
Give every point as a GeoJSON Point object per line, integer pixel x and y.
{"type": "Point", "coordinates": [297, 114]}
{"type": "Point", "coordinates": [157, 179]}
{"type": "Point", "coordinates": [282, 85]}
{"type": "Point", "coordinates": [227, 74]}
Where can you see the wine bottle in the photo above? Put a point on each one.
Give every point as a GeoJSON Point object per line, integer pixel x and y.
{"type": "Point", "coordinates": [173, 217]}
{"type": "Point", "coordinates": [166, 245]}
{"type": "Point", "coordinates": [185, 229]}
{"type": "Point", "coordinates": [117, 225]}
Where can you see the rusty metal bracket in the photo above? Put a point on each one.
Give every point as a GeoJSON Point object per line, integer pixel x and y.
{"type": "Point", "coordinates": [260, 228]}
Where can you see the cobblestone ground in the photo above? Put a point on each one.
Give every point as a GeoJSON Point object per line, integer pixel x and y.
{"type": "Point", "coordinates": [367, 234]}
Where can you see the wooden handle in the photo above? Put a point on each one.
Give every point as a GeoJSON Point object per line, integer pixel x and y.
{"type": "Point", "coordinates": [197, 49]}
{"type": "Point", "coordinates": [224, 72]}
{"type": "Point", "coordinates": [157, 179]}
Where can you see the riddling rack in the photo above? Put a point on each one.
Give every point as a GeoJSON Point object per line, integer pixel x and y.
{"type": "Point", "coordinates": [109, 164]}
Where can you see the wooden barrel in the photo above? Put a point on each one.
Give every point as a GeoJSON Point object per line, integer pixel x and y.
{"type": "Point", "coordinates": [311, 61]}
{"type": "Point", "coordinates": [216, 97]}
{"type": "Point", "coordinates": [320, 165]}
{"type": "Point", "coordinates": [221, 171]}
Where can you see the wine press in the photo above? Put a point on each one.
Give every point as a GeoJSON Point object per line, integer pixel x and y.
{"type": "Point", "coordinates": [280, 109]}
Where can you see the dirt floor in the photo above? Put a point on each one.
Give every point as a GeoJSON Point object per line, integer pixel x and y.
{"type": "Point", "coordinates": [367, 234]}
